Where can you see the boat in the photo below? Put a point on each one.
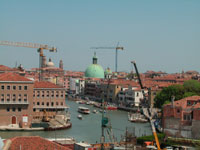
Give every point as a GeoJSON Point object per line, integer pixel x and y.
{"type": "Point", "coordinates": [83, 110]}
{"type": "Point", "coordinates": [111, 107]}
{"type": "Point", "coordinates": [80, 102]}
{"type": "Point", "coordinates": [102, 111]}
{"type": "Point", "coordinates": [95, 111]}
{"type": "Point", "coordinates": [98, 105]}
{"type": "Point", "coordinates": [137, 117]}
{"type": "Point", "coordinates": [80, 117]}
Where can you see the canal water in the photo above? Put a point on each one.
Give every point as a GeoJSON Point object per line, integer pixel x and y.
{"type": "Point", "coordinates": [89, 129]}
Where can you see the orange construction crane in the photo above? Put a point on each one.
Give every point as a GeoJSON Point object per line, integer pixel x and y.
{"type": "Point", "coordinates": [40, 48]}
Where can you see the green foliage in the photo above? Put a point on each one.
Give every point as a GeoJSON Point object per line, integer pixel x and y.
{"type": "Point", "coordinates": [189, 88]}
{"type": "Point", "coordinates": [167, 93]}
{"type": "Point", "coordinates": [187, 94]}
{"type": "Point", "coordinates": [192, 86]}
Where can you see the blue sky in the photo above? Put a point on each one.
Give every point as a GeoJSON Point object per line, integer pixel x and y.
{"type": "Point", "coordinates": [159, 35]}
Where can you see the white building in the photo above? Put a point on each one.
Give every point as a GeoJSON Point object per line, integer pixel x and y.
{"type": "Point", "coordinates": [130, 96]}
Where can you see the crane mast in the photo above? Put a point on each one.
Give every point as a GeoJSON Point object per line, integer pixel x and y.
{"type": "Point", "coordinates": [146, 108]}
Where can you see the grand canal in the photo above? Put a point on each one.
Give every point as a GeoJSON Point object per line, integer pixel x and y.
{"type": "Point", "coordinates": [88, 129]}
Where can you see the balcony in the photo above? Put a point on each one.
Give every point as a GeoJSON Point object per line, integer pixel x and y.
{"type": "Point", "coordinates": [14, 102]}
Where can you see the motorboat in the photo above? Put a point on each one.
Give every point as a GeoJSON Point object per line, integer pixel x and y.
{"type": "Point", "coordinates": [95, 111]}
{"type": "Point", "coordinates": [137, 117]}
{"type": "Point", "coordinates": [111, 107]}
{"type": "Point", "coordinates": [80, 117]}
{"type": "Point", "coordinates": [83, 110]}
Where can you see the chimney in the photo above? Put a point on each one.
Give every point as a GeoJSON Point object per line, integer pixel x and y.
{"type": "Point", "coordinates": [172, 99]}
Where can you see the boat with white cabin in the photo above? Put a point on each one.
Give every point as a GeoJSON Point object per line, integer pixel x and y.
{"type": "Point", "coordinates": [83, 110]}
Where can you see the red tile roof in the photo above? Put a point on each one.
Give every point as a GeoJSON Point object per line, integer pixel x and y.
{"type": "Point", "coordinates": [34, 143]}
{"type": "Point", "coordinates": [45, 84]}
{"type": "Point", "coordinates": [12, 77]}
{"type": "Point", "coordinates": [5, 68]}
{"type": "Point", "coordinates": [183, 102]}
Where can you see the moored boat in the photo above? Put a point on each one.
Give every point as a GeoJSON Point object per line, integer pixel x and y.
{"type": "Point", "coordinates": [111, 107]}
{"type": "Point", "coordinates": [83, 110]}
{"type": "Point", "coordinates": [137, 117]}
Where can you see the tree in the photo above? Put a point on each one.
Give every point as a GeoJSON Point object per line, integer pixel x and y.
{"type": "Point", "coordinates": [192, 86]}
{"type": "Point", "coordinates": [167, 93]}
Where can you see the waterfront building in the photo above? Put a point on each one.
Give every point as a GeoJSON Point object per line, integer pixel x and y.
{"type": "Point", "coordinates": [182, 118]}
{"type": "Point", "coordinates": [130, 96]}
{"type": "Point", "coordinates": [16, 100]}
{"type": "Point", "coordinates": [48, 97]}
{"type": "Point", "coordinates": [23, 100]}
{"type": "Point", "coordinates": [93, 88]}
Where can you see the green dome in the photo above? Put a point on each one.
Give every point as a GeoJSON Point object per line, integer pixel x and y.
{"type": "Point", "coordinates": [108, 71]}
{"type": "Point", "coordinates": [94, 71]}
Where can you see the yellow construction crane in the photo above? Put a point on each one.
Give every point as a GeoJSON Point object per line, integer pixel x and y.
{"type": "Point", "coordinates": [116, 54]}
{"type": "Point", "coordinates": [40, 48]}
{"type": "Point", "coordinates": [146, 108]}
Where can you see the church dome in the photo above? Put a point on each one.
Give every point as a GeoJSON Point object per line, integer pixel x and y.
{"type": "Point", "coordinates": [94, 70]}
{"type": "Point", "coordinates": [50, 63]}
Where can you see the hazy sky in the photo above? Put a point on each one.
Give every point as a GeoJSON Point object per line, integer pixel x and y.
{"type": "Point", "coordinates": [159, 35]}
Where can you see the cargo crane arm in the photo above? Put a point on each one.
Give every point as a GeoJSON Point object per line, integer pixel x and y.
{"type": "Point", "coordinates": [40, 48]}
{"type": "Point", "coordinates": [147, 110]}
{"type": "Point", "coordinates": [29, 45]}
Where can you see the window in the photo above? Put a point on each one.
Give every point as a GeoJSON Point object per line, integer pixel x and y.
{"type": "Point", "coordinates": [178, 111]}
{"type": "Point", "coordinates": [47, 103]}
{"type": "Point", "coordinates": [14, 87]}
{"type": "Point", "coordinates": [25, 87]}
{"type": "Point", "coordinates": [8, 109]}
{"type": "Point", "coordinates": [13, 109]}
{"type": "Point", "coordinates": [61, 103]}
{"type": "Point", "coordinates": [2, 87]}
{"type": "Point", "coordinates": [185, 117]}
{"type": "Point", "coordinates": [42, 93]}
{"type": "Point", "coordinates": [56, 103]}
{"type": "Point", "coordinates": [52, 103]}
{"type": "Point", "coordinates": [43, 103]}
{"type": "Point", "coordinates": [20, 87]}
{"type": "Point", "coordinates": [52, 94]}
{"type": "Point", "coordinates": [19, 109]}
{"type": "Point", "coordinates": [47, 93]}
{"type": "Point", "coordinates": [34, 109]}
{"type": "Point", "coordinates": [38, 103]}
{"type": "Point", "coordinates": [8, 87]}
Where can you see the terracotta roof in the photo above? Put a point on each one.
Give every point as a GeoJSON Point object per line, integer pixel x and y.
{"type": "Point", "coordinates": [12, 77]}
{"type": "Point", "coordinates": [5, 68]}
{"type": "Point", "coordinates": [45, 84]}
{"type": "Point", "coordinates": [34, 143]}
{"type": "Point", "coordinates": [183, 102]}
